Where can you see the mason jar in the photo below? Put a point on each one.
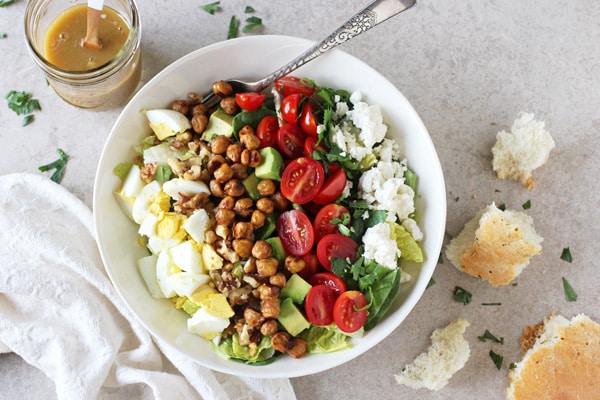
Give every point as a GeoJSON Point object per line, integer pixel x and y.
{"type": "Point", "coordinates": [102, 86]}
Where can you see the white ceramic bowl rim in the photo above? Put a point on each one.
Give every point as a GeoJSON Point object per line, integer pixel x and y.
{"type": "Point", "coordinates": [253, 57]}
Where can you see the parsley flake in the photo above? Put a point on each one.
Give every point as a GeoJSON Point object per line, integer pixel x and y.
{"type": "Point", "coordinates": [249, 10]}
{"type": "Point", "coordinates": [22, 104]}
{"type": "Point", "coordinates": [3, 36]}
{"type": "Point", "coordinates": [212, 8]}
{"type": "Point", "coordinates": [502, 207]}
{"type": "Point", "coordinates": [58, 165]}
{"type": "Point", "coordinates": [497, 359]}
{"type": "Point", "coordinates": [570, 294]}
{"type": "Point", "coordinates": [252, 23]}
{"type": "Point", "coordinates": [430, 283]}
{"type": "Point", "coordinates": [234, 26]}
{"type": "Point", "coordinates": [527, 205]}
{"type": "Point", "coordinates": [460, 295]}
{"type": "Point", "coordinates": [491, 304]}
{"type": "Point", "coordinates": [566, 255]}
{"type": "Point", "coordinates": [489, 336]}
{"type": "Point", "coordinates": [5, 3]}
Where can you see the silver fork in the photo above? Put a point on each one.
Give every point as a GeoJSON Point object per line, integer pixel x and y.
{"type": "Point", "coordinates": [370, 16]}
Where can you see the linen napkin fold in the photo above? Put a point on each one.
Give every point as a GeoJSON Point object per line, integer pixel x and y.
{"type": "Point", "coordinates": [60, 313]}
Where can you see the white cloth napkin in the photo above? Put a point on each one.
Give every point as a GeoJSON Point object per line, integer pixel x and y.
{"type": "Point", "coordinates": [60, 313]}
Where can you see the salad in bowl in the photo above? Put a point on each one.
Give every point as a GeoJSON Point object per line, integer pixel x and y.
{"type": "Point", "coordinates": [289, 230]}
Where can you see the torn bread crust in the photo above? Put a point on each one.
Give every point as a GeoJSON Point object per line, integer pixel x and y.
{"type": "Point", "coordinates": [563, 362]}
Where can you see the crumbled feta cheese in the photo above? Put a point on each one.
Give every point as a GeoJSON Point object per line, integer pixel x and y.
{"type": "Point", "coordinates": [383, 188]}
{"type": "Point", "coordinates": [380, 247]}
{"type": "Point", "coordinates": [411, 226]}
{"type": "Point", "coordinates": [369, 120]}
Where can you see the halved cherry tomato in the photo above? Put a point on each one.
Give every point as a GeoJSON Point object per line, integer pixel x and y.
{"type": "Point", "coordinates": [267, 130]}
{"type": "Point", "coordinates": [330, 279]}
{"type": "Point", "coordinates": [249, 101]}
{"type": "Point", "coordinates": [291, 106]}
{"type": "Point", "coordinates": [310, 145]}
{"type": "Point", "coordinates": [335, 245]}
{"type": "Point", "coordinates": [291, 85]}
{"type": "Point", "coordinates": [318, 305]}
{"type": "Point", "coordinates": [322, 224]}
{"type": "Point", "coordinates": [308, 119]}
{"type": "Point", "coordinates": [290, 141]}
{"type": "Point", "coordinates": [349, 311]}
{"type": "Point", "coordinates": [332, 188]}
{"type": "Point", "coordinates": [311, 265]}
{"type": "Point", "coordinates": [302, 179]}
{"type": "Point", "coordinates": [296, 232]}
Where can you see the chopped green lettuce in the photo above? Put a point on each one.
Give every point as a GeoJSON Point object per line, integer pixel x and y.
{"type": "Point", "coordinates": [406, 243]}
{"type": "Point", "coordinates": [230, 347]}
{"type": "Point", "coordinates": [325, 339]}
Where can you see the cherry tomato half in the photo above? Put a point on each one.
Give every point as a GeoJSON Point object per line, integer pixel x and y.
{"type": "Point", "coordinates": [302, 179]}
{"type": "Point", "coordinates": [330, 279]}
{"type": "Point", "coordinates": [349, 311]}
{"type": "Point", "coordinates": [310, 145]}
{"type": "Point", "coordinates": [335, 245]}
{"type": "Point", "coordinates": [308, 120]}
{"type": "Point", "coordinates": [332, 188]}
{"type": "Point", "coordinates": [292, 85]}
{"type": "Point", "coordinates": [291, 106]}
{"type": "Point", "coordinates": [322, 224]}
{"type": "Point", "coordinates": [267, 130]}
{"type": "Point", "coordinates": [318, 305]}
{"type": "Point", "coordinates": [249, 101]}
{"type": "Point", "coordinates": [290, 141]}
{"type": "Point", "coordinates": [296, 232]}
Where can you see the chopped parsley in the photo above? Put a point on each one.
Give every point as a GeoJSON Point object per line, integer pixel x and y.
{"type": "Point", "coordinates": [212, 8]}
{"type": "Point", "coordinates": [430, 283]}
{"type": "Point", "coordinates": [3, 36]}
{"type": "Point", "coordinates": [566, 255]}
{"type": "Point", "coordinates": [570, 294]}
{"type": "Point", "coordinates": [5, 3]}
{"type": "Point", "coordinates": [460, 295]}
{"type": "Point", "coordinates": [527, 205]}
{"type": "Point", "coordinates": [440, 259]}
{"type": "Point", "coordinates": [489, 336]}
{"type": "Point", "coordinates": [249, 10]}
{"type": "Point", "coordinates": [491, 304]}
{"type": "Point", "coordinates": [23, 104]}
{"type": "Point", "coordinates": [502, 207]}
{"type": "Point", "coordinates": [497, 359]}
{"type": "Point", "coordinates": [512, 365]}
{"type": "Point", "coordinates": [234, 26]}
{"type": "Point", "coordinates": [58, 165]}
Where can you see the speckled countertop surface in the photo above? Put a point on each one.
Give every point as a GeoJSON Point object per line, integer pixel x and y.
{"type": "Point", "coordinates": [468, 68]}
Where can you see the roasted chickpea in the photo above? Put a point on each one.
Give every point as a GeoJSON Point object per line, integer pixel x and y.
{"type": "Point", "coordinates": [223, 174]}
{"type": "Point", "coordinates": [224, 216]}
{"type": "Point", "coordinates": [243, 230]}
{"type": "Point", "coordinates": [280, 201]}
{"type": "Point", "coordinates": [258, 218]}
{"type": "Point", "coordinates": [215, 162]}
{"type": "Point", "coordinates": [270, 307]}
{"type": "Point", "coordinates": [219, 144]}
{"type": "Point", "coordinates": [248, 139]}
{"type": "Point", "coordinates": [261, 249]}
{"type": "Point", "coordinates": [269, 327]}
{"type": "Point", "coordinates": [255, 158]}
{"type": "Point", "coordinates": [265, 205]}
{"type": "Point", "coordinates": [266, 292]}
{"type": "Point", "coordinates": [242, 247]}
{"type": "Point", "coordinates": [281, 341]}
{"type": "Point", "coordinates": [297, 348]}
{"type": "Point", "coordinates": [227, 202]}
{"type": "Point", "coordinates": [215, 188]}
{"type": "Point", "coordinates": [253, 317]}
{"type": "Point", "coordinates": [266, 187]}
{"type": "Point", "coordinates": [240, 171]}
{"type": "Point", "coordinates": [234, 188]}
{"type": "Point", "coordinates": [229, 105]}
{"type": "Point", "coordinates": [234, 152]}
{"type": "Point", "coordinates": [222, 88]}
{"type": "Point", "coordinates": [294, 264]}
{"type": "Point", "coordinates": [180, 106]}
{"type": "Point", "coordinates": [199, 122]}
{"type": "Point", "coordinates": [243, 207]}
{"type": "Point", "coordinates": [199, 109]}
{"type": "Point", "coordinates": [194, 98]}
{"type": "Point", "coordinates": [278, 280]}
{"type": "Point", "coordinates": [267, 266]}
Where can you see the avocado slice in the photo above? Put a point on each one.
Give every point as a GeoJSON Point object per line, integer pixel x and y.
{"type": "Point", "coordinates": [291, 318]}
{"type": "Point", "coordinates": [271, 164]}
{"type": "Point", "coordinates": [277, 249]}
{"type": "Point", "coordinates": [296, 289]}
{"type": "Point", "coordinates": [219, 123]}
{"type": "Point", "coordinates": [251, 184]}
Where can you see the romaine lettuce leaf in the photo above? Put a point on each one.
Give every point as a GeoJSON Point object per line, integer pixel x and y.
{"type": "Point", "coordinates": [230, 347]}
{"type": "Point", "coordinates": [325, 339]}
{"type": "Point", "coordinates": [408, 246]}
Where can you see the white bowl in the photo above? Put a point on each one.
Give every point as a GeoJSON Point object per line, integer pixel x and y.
{"type": "Point", "coordinates": [254, 57]}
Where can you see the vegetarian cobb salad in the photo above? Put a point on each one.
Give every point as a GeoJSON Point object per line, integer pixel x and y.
{"type": "Point", "coordinates": [278, 222]}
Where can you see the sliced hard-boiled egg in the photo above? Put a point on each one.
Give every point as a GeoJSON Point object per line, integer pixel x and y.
{"type": "Point", "coordinates": [188, 256]}
{"type": "Point", "coordinates": [133, 183]}
{"type": "Point", "coordinates": [143, 201]}
{"type": "Point", "coordinates": [206, 325]}
{"type": "Point", "coordinates": [200, 293]}
{"type": "Point", "coordinates": [175, 186]}
{"type": "Point", "coordinates": [196, 225]}
{"type": "Point", "coordinates": [161, 153]}
{"type": "Point", "coordinates": [186, 283]}
{"type": "Point", "coordinates": [165, 270]}
{"type": "Point", "coordinates": [210, 257]}
{"type": "Point", "coordinates": [216, 304]}
{"type": "Point", "coordinates": [147, 268]}
{"type": "Point", "coordinates": [166, 123]}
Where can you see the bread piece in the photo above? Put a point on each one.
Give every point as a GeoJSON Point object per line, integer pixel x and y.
{"type": "Point", "coordinates": [562, 364]}
{"type": "Point", "coordinates": [518, 152]}
{"type": "Point", "coordinates": [446, 355]}
{"type": "Point", "coordinates": [495, 245]}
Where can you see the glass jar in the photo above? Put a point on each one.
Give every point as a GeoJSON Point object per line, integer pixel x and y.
{"type": "Point", "coordinates": [100, 88]}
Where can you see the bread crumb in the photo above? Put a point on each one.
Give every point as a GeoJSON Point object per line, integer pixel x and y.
{"type": "Point", "coordinates": [447, 354]}
{"type": "Point", "coordinates": [495, 245]}
{"type": "Point", "coordinates": [518, 152]}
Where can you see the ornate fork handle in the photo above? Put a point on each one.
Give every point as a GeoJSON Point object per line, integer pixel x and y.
{"type": "Point", "coordinates": [372, 15]}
